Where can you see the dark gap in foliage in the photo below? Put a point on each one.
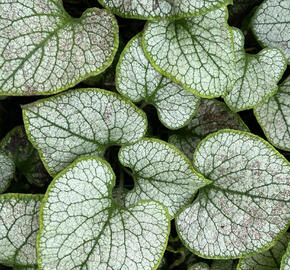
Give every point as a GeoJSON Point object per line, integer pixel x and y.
{"type": "Point", "coordinates": [155, 128]}
{"type": "Point", "coordinates": [2, 267]}
{"type": "Point", "coordinates": [111, 156]}
{"type": "Point", "coordinates": [75, 8]}
{"type": "Point", "coordinates": [239, 10]}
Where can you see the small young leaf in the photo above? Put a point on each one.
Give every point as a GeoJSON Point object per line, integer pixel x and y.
{"type": "Point", "coordinates": [25, 156]}
{"type": "Point", "coordinates": [274, 117]}
{"type": "Point", "coordinates": [44, 50]}
{"type": "Point", "coordinates": [137, 79]}
{"type": "Point", "coordinates": [160, 9]}
{"type": "Point", "coordinates": [210, 117]}
{"type": "Point", "coordinates": [199, 266]}
{"type": "Point", "coordinates": [271, 25]}
{"type": "Point", "coordinates": [7, 168]}
{"type": "Point", "coordinates": [257, 75]}
{"type": "Point", "coordinates": [18, 229]}
{"type": "Point", "coordinates": [82, 227]}
{"type": "Point", "coordinates": [246, 208]}
{"type": "Point", "coordinates": [223, 265]}
{"type": "Point", "coordinates": [81, 122]}
{"type": "Point", "coordinates": [196, 52]}
{"type": "Point", "coordinates": [161, 173]}
{"type": "Point", "coordinates": [285, 263]}
{"type": "Point", "coordinates": [269, 259]}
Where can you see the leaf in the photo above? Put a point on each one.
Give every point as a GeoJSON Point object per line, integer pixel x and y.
{"type": "Point", "coordinates": [7, 168]}
{"type": "Point", "coordinates": [137, 79]}
{"type": "Point", "coordinates": [161, 173]}
{"type": "Point", "coordinates": [45, 51]}
{"type": "Point", "coordinates": [270, 25]}
{"type": "Point", "coordinates": [210, 117]}
{"type": "Point", "coordinates": [269, 259]}
{"type": "Point", "coordinates": [18, 229]}
{"type": "Point", "coordinates": [81, 226]}
{"type": "Point", "coordinates": [196, 52]}
{"type": "Point", "coordinates": [162, 9]}
{"type": "Point", "coordinates": [274, 117]}
{"type": "Point", "coordinates": [246, 208]}
{"type": "Point", "coordinates": [199, 266]}
{"type": "Point", "coordinates": [25, 268]}
{"type": "Point", "coordinates": [257, 75]}
{"type": "Point", "coordinates": [285, 263]}
{"type": "Point", "coordinates": [223, 265]}
{"type": "Point", "coordinates": [24, 155]}
{"type": "Point", "coordinates": [81, 122]}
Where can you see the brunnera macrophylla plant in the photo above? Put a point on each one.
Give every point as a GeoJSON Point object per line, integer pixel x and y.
{"type": "Point", "coordinates": [193, 181]}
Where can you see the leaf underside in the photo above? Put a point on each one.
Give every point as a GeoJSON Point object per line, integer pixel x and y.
{"type": "Point", "coordinates": [43, 50]}
{"type": "Point", "coordinates": [81, 226]}
{"type": "Point", "coordinates": [81, 122]}
{"type": "Point", "coordinates": [137, 79]}
{"type": "Point", "coordinates": [246, 208]}
{"type": "Point", "coordinates": [274, 117]}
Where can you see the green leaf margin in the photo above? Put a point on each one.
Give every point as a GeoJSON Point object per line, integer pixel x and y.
{"type": "Point", "coordinates": [172, 17]}
{"type": "Point", "coordinates": [110, 190]}
{"type": "Point", "coordinates": [34, 144]}
{"type": "Point", "coordinates": [271, 244]}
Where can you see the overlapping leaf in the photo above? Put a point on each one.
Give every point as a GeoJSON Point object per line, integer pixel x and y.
{"type": "Point", "coordinates": [137, 79]}
{"type": "Point", "coordinates": [43, 50]}
{"type": "Point", "coordinates": [161, 173]}
{"type": "Point", "coordinates": [246, 208]}
{"type": "Point", "coordinates": [210, 117]}
{"type": "Point", "coordinates": [18, 229]}
{"type": "Point", "coordinates": [271, 25]}
{"type": "Point", "coordinates": [269, 259]}
{"type": "Point", "coordinates": [199, 266]}
{"type": "Point", "coordinates": [196, 52]}
{"type": "Point", "coordinates": [285, 263]}
{"type": "Point", "coordinates": [81, 122]}
{"type": "Point", "coordinates": [25, 157]}
{"type": "Point", "coordinates": [162, 9]}
{"type": "Point", "coordinates": [7, 168]}
{"type": "Point", "coordinates": [83, 227]}
{"type": "Point", "coordinates": [274, 117]}
{"type": "Point", "coordinates": [257, 75]}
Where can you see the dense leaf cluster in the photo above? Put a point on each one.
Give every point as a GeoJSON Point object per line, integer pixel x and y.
{"type": "Point", "coordinates": [163, 142]}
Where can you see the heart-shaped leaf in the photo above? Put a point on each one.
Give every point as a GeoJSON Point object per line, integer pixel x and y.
{"type": "Point", "coordinates": [18, 229]}
{"type": "Point", "coordinates": [269, 259]}
{"type": "Point", "coordinates": [25, 156]}
{"type": "Point", "coordinates": [285, 263]}
{"type": "Point", "coordinates": [160, 9]}
{"type": "Point", "coordinates": [137, 79]}
{"type": "Point", "coordinates": [44, 50]}
{"type": "Point", "coordinates": [257, 75]}
{"type": "Point", "coordinates": [271, 25]}
{"type": "Point", "coordinates": [274, 117]}
{"type": "Point", "coordinates": [161, 173]}
{"type": "Point", "coordinates": [7, 168]}
{"type": "Point", "coordinates": [82, 226]}
{"type": "Point", "coordinates": [196, 52]}
{"type": "Point", "coordinates": [81, 122]}
{"type": "Point", "coordinates": [210, 117]}
{"type": "Point", "coordinates": [246, 208]}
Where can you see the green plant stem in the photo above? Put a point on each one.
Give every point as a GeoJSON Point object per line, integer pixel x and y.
{"type": "Point", "coordinates": [121, 185]}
